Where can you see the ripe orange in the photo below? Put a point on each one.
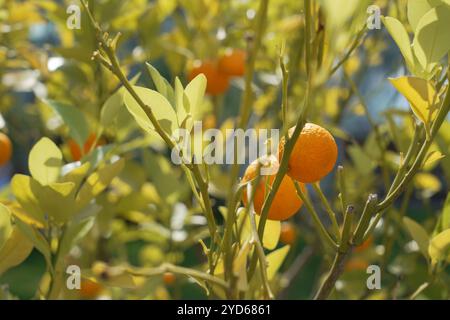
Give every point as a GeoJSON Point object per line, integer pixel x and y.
{"type": "Point", "coordinates": [288, 233]}
{"type": "Point", "coordinates": [217, 83]}
{"type": "Point", "coordinates": [169, 278]}
{"type": "Point", "coordinates": [75, 149]}
{"type": "Point", "coordinates": [90, 289]}
{"type": "Point", "coordinates": [314, 155]}
{"type": "Point", "coordinates": [286, 202]}
{"type": "Point", "coordinates": [5, 149]}
{"type": "Point", "coordinates": [233, 63]}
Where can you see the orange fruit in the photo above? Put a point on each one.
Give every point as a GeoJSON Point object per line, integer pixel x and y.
{"type": "Point", "coordinates": [76, 151]}
{"type": "Point", "coordinates": [288, 233]}
{"type": "Point", "coordinates": [90, 289]}
{"type": "Point", "coordinates": [5, 149]}
{"type": "Point", "coordinates": [314, 154]}
{"type": "Point", "coordinates": [286, 202]}
{"type": "Point", "coordinates": [217, 83]}
{"type": "Point", "coordinates": [233, 62]}
{"type": "Point", "coordinates": [169, 278]}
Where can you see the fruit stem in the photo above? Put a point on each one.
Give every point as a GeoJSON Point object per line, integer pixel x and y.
{"type": "Point", "coordinates": [328, 208]}
{"type": "Point", "coordinates": [319, 225]}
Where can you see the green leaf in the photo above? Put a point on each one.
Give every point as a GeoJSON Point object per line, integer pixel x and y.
{"type": "Point", "coordinates": [446, 213]}
{"type": "Point", "coordinates": [439, 248]}
{"type": "Point", "coordinates": [275, 259]}
{"type": "Point", "coordinates": [98, 181]}
{"type": "Point", "coordinates": [74, 119]}
{"type": "Point", "coordinates": [5, 224]}
{"type": "Point", "coordinates": [45, 161]}
{"type": "Point", "coordinates": [159, 105]}
{"type": "Point", "coordinates": [401, 38]}
{"type": "Point", "coordinates": [23, 189]}
{"type": "Point", "coordinates": [432, 40]}
{"type": "Point", "coordinates": [16, 249]}
{"type": "Point", "coordinates": [419, 235]}
{"type": "Point", "coordinates": [420, 94]}
{"type": "Point", "coordinates": [161, 84]}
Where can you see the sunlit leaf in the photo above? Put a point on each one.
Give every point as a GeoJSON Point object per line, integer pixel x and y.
{"type": "Point", "coordinates": [5, 224]}
{"type": "Point", "coordinates": [57, 200]}
{"type": "Point", "coordinates": [400, 35]}
{"type": "Point", "coordinates": [419, 235]}
{"type": "Point", "coordinates": [23, 188]}
{"type": "Point", "coordinates": [36, 238]}
{"type": "Point", "coordinates": [418, 8]}
{"type": "Point", "coordinates": [158, 104]}
{"type": "Point", "coordinates": [98, 181]}
{"type": "Point", "coordinates": [431, 158]}
{"type": "Point", "coordinates": [446, 213]}
{"type": "Point", "coordinates": [275, 259]}
{"type": "Point", "coordinates": [428, 183]}
{"type": "Point", "coordinates": [432, 40]}
{"type": "Point", "coordinates": [195, 91]}
{"type": "Point", "coordinates": [420, 94]}
{"type": "Point", "coordinates": [15, 250]}
{"type": "Point", "coordinates": [439, 248]}
{"type": "Point", "coordinates": [45, 161]}
{"type": "Point", "coordinates": [161, 84]}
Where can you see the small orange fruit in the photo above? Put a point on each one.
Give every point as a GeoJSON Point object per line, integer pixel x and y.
{"type": "Point", "coordinates": [169, 278]}
{"type": "Point", "coordinates": [76, 151]}
{"type": "Point", "coordinates": [286, 202]}
{"type": "Point", "coordinates": [217, 83]}
{"type": "Point", "coordinates": [314, 154]}
{"type": "Point", "coordinates": [233, 62]}
{"type": "Point", "coordinates": [90, 289]}
{"type": "Point", "coordinates": [288, 233]}
{"type": "Point", "coordinates": [5, 149]}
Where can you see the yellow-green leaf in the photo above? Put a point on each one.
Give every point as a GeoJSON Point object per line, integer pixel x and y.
{"type": "Point", "coordinates": [77, 174]}
{"type": "Point", "coordinates": [57, 200]}
{"type": "Point", "coordinates": [272, 232]}
{"type": "Point", "coordinates": [45, 161]}
{"type": "Point", "coordinates": [5, 224]}
{"type": "Point", "coordinates": [98, 181]}
{"type": "Point", "coordinates": [24, 189]}
{"type": "Point", "coordinates": [400, 35]}
{"type": "Point", "coordinates": [158, 104]}
{"type": "Point", "coordinates": [432, 40]}
{"type": "Point", "coordinates": [195, 92]}
{"type": "Point", "coordinates": [16, 249]}
{"type": "Point", "coordinates": [418, 8]}
{"type": "Point", "coordinates": [275, 259]}
{"type": "Point", "coordinates": [431, 158]}
{"type": "Point", "coordinates": [420, 94]}
{"type": "Point", "coordinates": [419, 235]}
{"type": "Point", "coordinates": [439, 248]}
{"type": "Point", "coordinates": [446, 213]}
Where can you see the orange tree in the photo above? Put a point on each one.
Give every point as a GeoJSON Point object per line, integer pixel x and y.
{"type": "Point", "coordinates": [300, 72]}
